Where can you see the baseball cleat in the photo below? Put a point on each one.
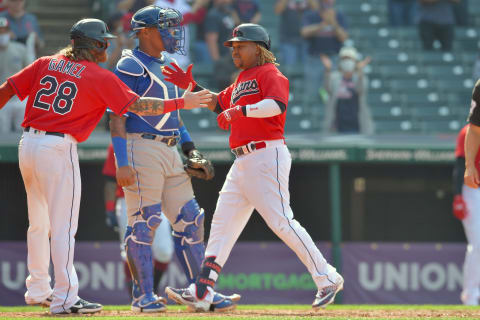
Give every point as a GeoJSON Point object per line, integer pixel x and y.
{"type": "Point", "coordinates": [183, 296]}
{"type": "Point", "coordinates": [149, 303]}
{"type": "Point", "coordinates": [223, 303]}
{"type": "Point", "coordinates": [45, 303]}
{"type": "Point", "coordinates": [327, 294]}
{"type": "Point", "coordinates": [82, 306]}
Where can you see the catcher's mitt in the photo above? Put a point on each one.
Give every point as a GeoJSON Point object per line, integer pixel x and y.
{"type": "Point", "coordinates": [199, 167]}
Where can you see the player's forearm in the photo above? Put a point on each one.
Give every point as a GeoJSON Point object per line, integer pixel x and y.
{"type": "Point", "coordinates": [117, 126]}
{"type": "Point", "coordinates": [6, 93]}
{"type": "Point", "coordinates": [265, 108]}
{"type": "Point", "coordinates": [472, 145]}
{"type": "Point", "coordinates": [148, 106]}
{"type": "Point", "coordinates": [212, 105]}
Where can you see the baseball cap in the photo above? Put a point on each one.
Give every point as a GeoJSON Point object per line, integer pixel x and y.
{"type": "Point", "coordinates": [348, 52]}
{"type": "Point", "coordinates": [3, 22]}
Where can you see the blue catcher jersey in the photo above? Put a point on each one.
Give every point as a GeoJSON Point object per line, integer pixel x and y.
{"type": "Point", "coordinates": [143, 74]}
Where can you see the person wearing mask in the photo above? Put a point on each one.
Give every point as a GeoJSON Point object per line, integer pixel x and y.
{"type": "Point", "coordinates": [347, 110]}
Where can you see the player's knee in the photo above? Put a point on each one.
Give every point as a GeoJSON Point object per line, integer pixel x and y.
{"type": "Point", "coordinates": [189, 223]}
{"type": "Point", "coordinates": [143, 230]}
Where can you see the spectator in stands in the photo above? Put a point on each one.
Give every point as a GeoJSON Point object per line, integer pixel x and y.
{"type": "Point", "coordinates": [218, 27]}
{"type": "Point", "coordinates": [13, 58]}
{"type": "Point", "coordinates": [436, 22]}
{"type": "Point", "coordinates": [246, 11]}
{"type": "Point", "coordinates": [347, 110]}
{"type": "Point", "coordinates": [2, 5]}
{"type": "Point", "coordinates": [293, 48]}
{"type": "Point", "coordinates": [401, 12]}
{"type": "Point", "coordinates": [22, 23]}
{"type": "Point", "coordinates": [191, 14]}
{"type": "Point", "coordinates": [325, 31]}
{"type": "Point", "coordinates": [114, 50]}
{"type": "Point", "coordinates": [200, 48]}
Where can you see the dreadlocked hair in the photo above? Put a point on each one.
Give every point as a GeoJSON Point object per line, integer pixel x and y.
{"type": "Point", "coordinates": [78, 54]}
{"type": "Point", "coordinates": [266, 56]}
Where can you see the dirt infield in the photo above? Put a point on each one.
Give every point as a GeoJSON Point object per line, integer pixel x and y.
{"type": "Point", "coordinates": [350, 313]}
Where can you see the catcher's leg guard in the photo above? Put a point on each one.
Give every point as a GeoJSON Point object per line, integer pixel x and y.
{"type": "Point", "coordinates": [139, 250]}
{"type": "Point", "coordinates": [188, 241]}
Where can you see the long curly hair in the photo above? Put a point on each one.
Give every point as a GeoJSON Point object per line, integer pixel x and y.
{"type": "Point", "coordinates": [79, 54]}
{"type": "Point", "coordinates": [266, 56]}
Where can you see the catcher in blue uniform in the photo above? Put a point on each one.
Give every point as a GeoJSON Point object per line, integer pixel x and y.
{"type": "Point", "coordinates": [150, 167]}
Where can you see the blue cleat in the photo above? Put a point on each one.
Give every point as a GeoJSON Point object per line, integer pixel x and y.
{"type": "Point", "coordinates": [149, 303]}
{"type": "Point", "coordinates": [327, 294]}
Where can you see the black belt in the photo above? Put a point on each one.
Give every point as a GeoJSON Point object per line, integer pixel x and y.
{"type": "Point", "coordinates": [169, 141]}
{"type": "Point", "coordinates": [250, 147]}
{"type": "Point", "coordinates": [48, 133]}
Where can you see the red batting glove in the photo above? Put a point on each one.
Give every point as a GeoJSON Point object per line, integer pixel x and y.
{"type": "Point", "coordinates": [228, 116]}
{"type": "Point", "coordinates": [179, 77]}
{"type": "Point", "coordinates": [459, 207]}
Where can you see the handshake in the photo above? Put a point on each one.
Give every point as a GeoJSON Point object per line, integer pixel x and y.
{"type": "Point", "coordinates": [184, 80]}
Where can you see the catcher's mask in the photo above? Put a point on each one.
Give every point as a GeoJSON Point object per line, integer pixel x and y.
{"type": "Point", "coordinates": [90, 34]}
{"type": "Point", "coordinates": [167, 20]}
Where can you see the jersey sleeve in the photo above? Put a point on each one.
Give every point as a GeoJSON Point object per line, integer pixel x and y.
{"type": "Point", "coordinates": [460, 147]}
{"type": "Point", "coordinates": [23, 81]}
{"type": "Point", "coordinates": [274, 85]}
{"type": "Point", "coordinates": [116, 94]}
{"type": "Point", "coordinates": [474, 115]}
{"type": "Point", "coordinates": [224, 97]}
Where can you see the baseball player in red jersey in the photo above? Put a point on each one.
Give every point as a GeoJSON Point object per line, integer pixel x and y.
{"type": "Point", "coordinates": [67, 95]}
{"type": "Point", "coordinates": [254, 109]}
{"type": "Point", "coordinates": [466, 207]}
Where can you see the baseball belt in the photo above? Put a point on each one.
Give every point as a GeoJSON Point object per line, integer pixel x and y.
{"type": "Point", "coordinates": [248, 148]}
{"type": "Point", "coordinates": [48, 133]}
{"type": "Point", "coordinates": [169, 141]}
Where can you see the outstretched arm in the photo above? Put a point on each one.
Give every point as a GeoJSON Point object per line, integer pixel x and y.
{"type": "Point", "coordinates": [147, 106]}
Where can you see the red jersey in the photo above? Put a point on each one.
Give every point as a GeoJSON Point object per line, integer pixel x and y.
{"type": "Point", "coordinates": [460, 148]}
{"type": "Point", "coordinates": [253, 85]}
{"type": "Point", "coordinates": [109, 169]}
{"type": "Point", "coordinates": [69, 97]}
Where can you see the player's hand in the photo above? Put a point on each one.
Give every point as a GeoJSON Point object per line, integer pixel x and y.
{"type": "Point", "coordinates": [198, 99]}
{"type": "Point", "coordinates": [179, 77]}
{"type": "Point", "coordinates": [111, 220]}
{"type": "Point", "coordinates": [228, 116]}
{"type": "Point", "coordinates": [125, 176]}
{"type": "Point", "coordinates": [471, 178]}
{"type": "Point", "coordinates": [459, 207]}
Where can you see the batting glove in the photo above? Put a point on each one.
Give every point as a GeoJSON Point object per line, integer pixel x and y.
{"type": "Point", "coordinates": [179, 77]}
{"type": "Point", "coordinates": [460, 210]}
{"type": "Point", "coordinates": [228, 116]}
{"type": "Point", "coordinates": [111, 220]}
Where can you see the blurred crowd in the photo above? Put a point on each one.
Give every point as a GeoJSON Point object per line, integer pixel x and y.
{"type": "Point", "coordinates": [312, 34]}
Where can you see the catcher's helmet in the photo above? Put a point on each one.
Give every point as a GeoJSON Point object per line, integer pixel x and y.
{"type": "Point", "coordinates": [85, 32]}
{"type": "Point", "coordinates": [250, 32]}
{"type": "Point", "coordinates": [167, 20]}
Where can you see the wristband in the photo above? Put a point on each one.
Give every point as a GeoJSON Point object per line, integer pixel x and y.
{"type": "Point", "coordinates": [110, 205]}
{"type": "Point", "coordinates": [184, 135]}
{"type": "Point", "coordinates": [173, 105]}
{"type": "Point", "coordinates": [120, 149]}
{"type": "Point", "coordinates": [197, 88]}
